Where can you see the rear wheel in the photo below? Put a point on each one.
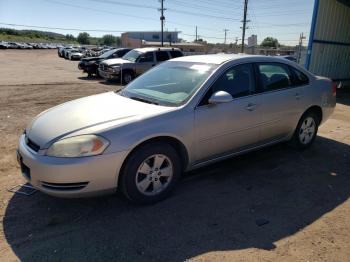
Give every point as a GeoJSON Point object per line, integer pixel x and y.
{"type": "Point", "coordinates": [306, 131]}
{"type": "Point", "coordinates": [150, 173]}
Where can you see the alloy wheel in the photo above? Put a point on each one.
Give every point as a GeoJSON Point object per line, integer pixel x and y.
{"type": "Point", "coordinates": [154, 175]}
{"type": "Point", "coordinates": [307, 130]}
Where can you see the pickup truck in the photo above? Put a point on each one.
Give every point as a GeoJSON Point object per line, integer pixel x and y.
{"type": "Point", "coordinates": [90, 65]}
{"type": "Point", "coordinates": [135, 63]}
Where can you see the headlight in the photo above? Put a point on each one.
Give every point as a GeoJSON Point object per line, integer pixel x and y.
{"type": "Point", "coordinates": [115, 68]}
{"type": "Point", "coordinates": [78, 146]}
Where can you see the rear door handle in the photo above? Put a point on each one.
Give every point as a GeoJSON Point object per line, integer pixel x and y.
{"type": "Point", "coordinates": [251, 107]}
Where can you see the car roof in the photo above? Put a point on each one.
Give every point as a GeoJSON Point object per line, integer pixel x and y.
{"type": "Point", "coordinates": [222, 58]}
{"type": "Point", "coordinates": [149, 49]}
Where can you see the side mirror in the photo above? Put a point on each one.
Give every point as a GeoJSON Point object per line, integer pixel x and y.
{"type": "Point", "coordinates": [220, 97]}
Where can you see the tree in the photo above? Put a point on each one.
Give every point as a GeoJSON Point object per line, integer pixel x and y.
{"type": "Point", "coordinates": [70, 37]}
{"type": "Point", "coordinates": [83, 38]}
{"type": "Point", "coordinates": [109, 40]}
{"type": "Point", "coordinates": [270, 42]}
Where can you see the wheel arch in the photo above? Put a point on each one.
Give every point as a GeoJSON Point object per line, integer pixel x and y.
{"type": "Point", "coordinates": [315, 109]}
{"type": "Point", "coordinates": [128, 70]}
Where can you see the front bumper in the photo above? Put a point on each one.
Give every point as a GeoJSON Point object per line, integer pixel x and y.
{"type": "Point", "coordinates": [70, 177]}
{"type": "Point", "coordinates": [108, 75]}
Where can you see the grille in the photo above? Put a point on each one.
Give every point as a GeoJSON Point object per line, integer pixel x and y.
{"type": "Point", "coordinates": [103, 67]}
{"type": "Point", "coordinates": [64, 186]}
{"type": "Point", "coordinates": [32, 145]}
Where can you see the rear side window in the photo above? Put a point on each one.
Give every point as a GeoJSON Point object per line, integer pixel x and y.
{"type": "Point", "coordinates": [299, 78]}
{"type": "Point", "coordinates": [162, 56]}
{"type": "Point", "coordinates": [175, 53]}
{"type": "Point", "coordinates": [238, 81]}
{"type": "Point", "coordinates": [274, 76]}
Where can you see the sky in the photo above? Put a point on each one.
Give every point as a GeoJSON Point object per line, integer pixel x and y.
{"type": "Point", "coordinates": [282, 19]}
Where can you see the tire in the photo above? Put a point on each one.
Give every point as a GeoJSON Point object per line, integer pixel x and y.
{"type": "Point", "coordinates": [142, 180]}
{"type": "Point", "coordinates": [127, 77]}
{"type": "Point", "coordinates": [306, 131]}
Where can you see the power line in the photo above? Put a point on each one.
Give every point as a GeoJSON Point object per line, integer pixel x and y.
{"type": "Point", "coordinates": [67, 29]}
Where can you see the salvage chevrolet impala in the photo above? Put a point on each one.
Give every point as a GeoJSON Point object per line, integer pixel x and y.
{"type": "Point", "coordinates": [180, 115]}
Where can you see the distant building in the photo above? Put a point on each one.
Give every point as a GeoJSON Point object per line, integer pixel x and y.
{"type": "Point", "coordinates": [153, 38]}
{"type": "Point", "coordinates": [134, 39]}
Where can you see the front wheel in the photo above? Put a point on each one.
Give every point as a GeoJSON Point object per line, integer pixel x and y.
{"type": "Point", "coordinates": [127, 77]}
{"type": "Point", "coordinates": [306, 131]}
{"type": "Point", "coordinates": [150, 173]}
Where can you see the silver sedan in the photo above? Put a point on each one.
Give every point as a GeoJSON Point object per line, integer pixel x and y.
{"type": "Point", "coordinates": [181, 115]}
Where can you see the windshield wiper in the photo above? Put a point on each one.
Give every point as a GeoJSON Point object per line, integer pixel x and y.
{"type": "Point", "coordinates": [143, 100]}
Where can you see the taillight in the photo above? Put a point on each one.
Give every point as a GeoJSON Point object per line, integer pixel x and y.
{"type": "Point", "coordinates": [334, 88]}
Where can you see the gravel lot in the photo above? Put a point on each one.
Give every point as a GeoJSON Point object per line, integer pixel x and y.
{"type": "Point", "coordinates": [275, 204]}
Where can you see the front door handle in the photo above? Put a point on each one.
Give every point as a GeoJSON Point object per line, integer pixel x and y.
{"type": "Point", "coordinates": [251, 107]}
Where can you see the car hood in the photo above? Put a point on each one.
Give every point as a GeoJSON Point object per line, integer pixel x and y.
{"type": "Point", "coordinates": [91, 59]}
{"type": "Point", "coordinates": [105, 110]}
{"type": "Point", "coordinates": [116, 61]}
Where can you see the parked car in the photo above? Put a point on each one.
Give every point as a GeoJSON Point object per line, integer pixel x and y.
{"type": "Point", "coordinates": [68, 51]}
{"type": "Point", "coordinates": [4, 45]}
{"type": "Point", "coordinates": [136, 62]}
{"type": "Point", "coordinates": [289, 57]}
{"type": "Point", "coordinates": [90, 65]}
{"type": "Point", "coordinates": [13, 45]}
{"type": "Point", "coordinates": [183, 114]}
{"type": "Point", "coordinates": [75, 54]}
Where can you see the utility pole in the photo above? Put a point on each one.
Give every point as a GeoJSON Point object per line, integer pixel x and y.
{"type": "Point", "coordinates": [162, 18]}
{"type": "Point", "coordinates": [244, 23]}
{"type": "Point", "coordinates": [225, 30]}
{"type": "Point", "coordinates": [301, 38]}
{"type": "Point", "coordinates": [196, 34]}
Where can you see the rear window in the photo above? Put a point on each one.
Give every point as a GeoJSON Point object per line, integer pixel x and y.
{"type": "Point", "coordinates": [175, 53]}
{"type": "Point", "coordinates": [299, 77]}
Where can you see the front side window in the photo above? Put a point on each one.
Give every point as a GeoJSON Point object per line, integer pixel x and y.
{"type": "Point", "coordinates": [170, 84]}
{"type": "Point", "coordinates": [274, 76]}
{"type": "Point", "coordinates": [147, 57]}
{"type": "Point", "coordinates": [162, 56]}
{"type": "Point", "coordinates": [238, 81]}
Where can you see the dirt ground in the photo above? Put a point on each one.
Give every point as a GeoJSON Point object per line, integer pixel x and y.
{"type": "Point", "coordinates": [275, 204]}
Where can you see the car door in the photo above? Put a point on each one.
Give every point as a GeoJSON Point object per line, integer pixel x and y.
{"type": "Point", "coordinates": [282, 101]}
{"type": "Point", "coordinates": [232, 126]}
{"type": "Point", "coordinates": [145, 62]}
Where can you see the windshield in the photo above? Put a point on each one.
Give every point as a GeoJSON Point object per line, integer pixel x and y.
{"type": "Point", "coordinates": [132, 55]}
{"type": "Point", "coordinates": [108, 53]}
{"type": "Point", "coordinates": [171, 83]}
